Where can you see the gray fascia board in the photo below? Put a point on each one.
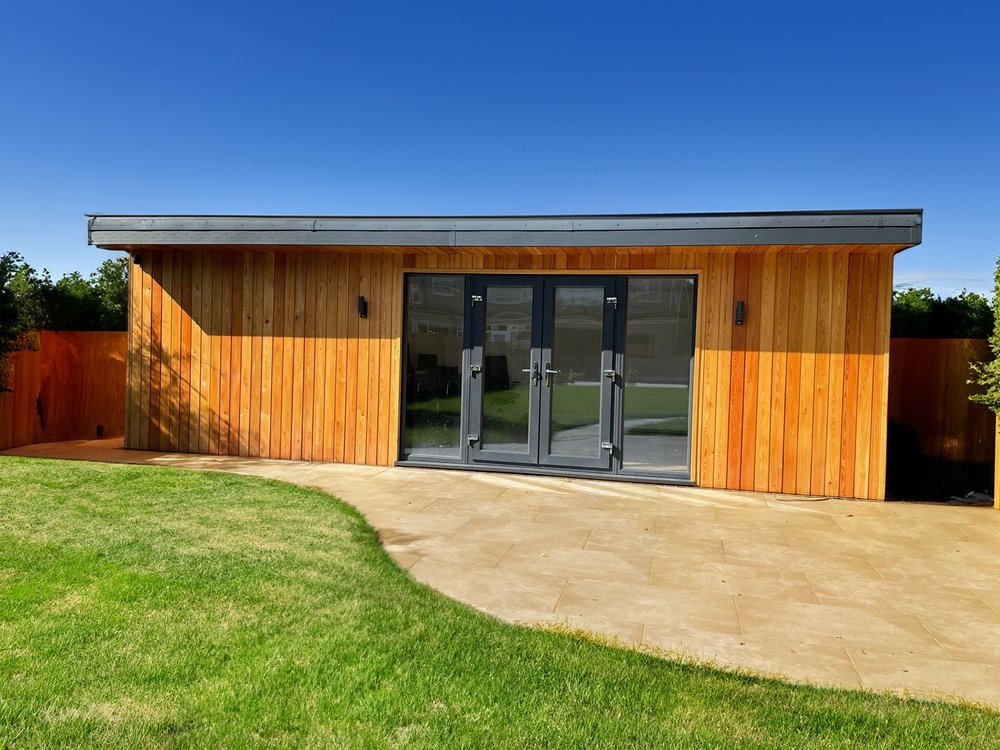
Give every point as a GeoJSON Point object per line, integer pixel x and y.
{"type": "Point", "coordinates": [801, 228]}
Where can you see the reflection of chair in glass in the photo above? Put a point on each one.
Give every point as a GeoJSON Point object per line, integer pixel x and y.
{"type": "Point", "coordinates": [431, 380]}
{"type": "Point", "coordinates": [497, 376]}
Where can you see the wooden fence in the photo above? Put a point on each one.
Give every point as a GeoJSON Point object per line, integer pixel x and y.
{"type": "Point", "coordinates": [72, 385]}
{"type": "Point", "coordinates": [928, 392]}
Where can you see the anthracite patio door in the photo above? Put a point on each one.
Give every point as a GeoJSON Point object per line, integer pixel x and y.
{"type": "Point", "coordinates": [588, 374]}
{"type": "Point", "coordinates": [541, 371]}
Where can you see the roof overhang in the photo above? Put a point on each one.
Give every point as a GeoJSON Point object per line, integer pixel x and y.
{"type": "Point", "coordinates": [882, 227]}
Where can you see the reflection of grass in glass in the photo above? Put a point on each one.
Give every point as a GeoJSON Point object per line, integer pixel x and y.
{"type": "Point", "coordinates": [575, 406]}
{"type": "Point", "coordinates": [644, 402]}
{"type": "Point", "coordinates": [505, 416]}
{"type": "Point", "coordinates": [426, 437]}
{"type": "Point", "coordinates": [676, 426]}
{"type": "Point", "coordinates": [435, 422]}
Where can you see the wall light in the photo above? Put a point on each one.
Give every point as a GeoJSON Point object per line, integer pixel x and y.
{"type": "Point", "coordinates": [741, 312]}
{"type": "Point", "coordinates": [362, 307]}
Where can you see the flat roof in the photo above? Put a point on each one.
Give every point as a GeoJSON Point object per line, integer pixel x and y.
{"type": "Point", "coordinates": [867, 227]}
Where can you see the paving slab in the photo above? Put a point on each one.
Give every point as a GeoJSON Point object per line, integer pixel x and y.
{"type": "Point", "coordinates": [885, 596]}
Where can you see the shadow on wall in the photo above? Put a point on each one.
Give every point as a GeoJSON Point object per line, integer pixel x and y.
{"type": "Point", "coordinates": [177, 408]}
{"type": "Point", "coordinates": [239, 397]}
{"type": "Point", "coordinates": [290, 293]}
{"type": "Point", "coordinates": [244, 353]}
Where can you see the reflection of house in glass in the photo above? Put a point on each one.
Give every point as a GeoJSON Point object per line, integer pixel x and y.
{"type": "Point", "coordinates": [659, 346]}
{"type": "Point", "coordinates": [658, 342]}
{"type": "Point", "coordinates": [500, 332]}
{"type": "Point", "coordinates": [508, 322]}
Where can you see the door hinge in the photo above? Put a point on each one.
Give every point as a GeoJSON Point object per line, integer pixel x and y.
{"type": "Point", "coordinates": [607, 446]}
{"type": "Point", "coordinates": [612, 301]}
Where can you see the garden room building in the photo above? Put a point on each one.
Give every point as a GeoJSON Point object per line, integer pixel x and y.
{"type": "Point", "coordinates": [737, 351]}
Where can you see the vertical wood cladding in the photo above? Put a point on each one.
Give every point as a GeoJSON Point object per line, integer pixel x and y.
{"type": "Point", "coordinates": [929, 394]}
{"type": "Point", "coordinates": [262, 353]}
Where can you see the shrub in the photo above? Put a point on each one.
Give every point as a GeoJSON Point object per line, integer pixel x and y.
{"type": "Point", "coordinates": [919, 313]}
{"type": "Point", "coordinates": [986, 374]}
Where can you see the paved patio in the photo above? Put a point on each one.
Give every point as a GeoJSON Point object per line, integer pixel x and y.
{"type": "Point", "coordinates": [885, 596]}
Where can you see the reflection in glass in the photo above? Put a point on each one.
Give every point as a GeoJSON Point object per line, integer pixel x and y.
{"type": "Point", "coordinates": [577, 343]}
{"type": "Point", "coordinates": [657, 374]}
{"type": "Point", "coordinates": [506, 353]}
{"type": "Point", "coordinates": [435, 314]}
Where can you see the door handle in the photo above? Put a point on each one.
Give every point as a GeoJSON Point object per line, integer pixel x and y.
{"type": "Point", "coordinates": [535, 375]}
{"type": "Point", "coordinates": [549, 372]}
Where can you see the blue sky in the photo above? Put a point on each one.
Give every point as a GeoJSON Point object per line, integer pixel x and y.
{"type": "Point", "coordinates": [513, 107]}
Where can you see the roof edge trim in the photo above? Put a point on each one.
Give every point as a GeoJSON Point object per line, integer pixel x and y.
{"type": "Point", "coordinates": [891, 226]}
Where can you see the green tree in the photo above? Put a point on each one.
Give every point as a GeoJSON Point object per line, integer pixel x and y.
{"type": "Point", "coordinates": [30, 301]}
{"type": "Point", "coordinates": [919, 313]}
{"type": "Point", "coordinates": [110, 283]}
{"type": "Point", "coordinates": [31, 292]}
{"type": "Point", "coordinates": [986, 374]}
{"type": "Point", "coordinates": [8, 302]}
{"type": "Point", "coordinates": [72, 304]}
{"type": "Point", "coordinates": [911, 309]}
{"type": "Point", "coordinates": [98, 303]}
{"type": "Point", "coordinates": [969, 313]}
{"type": "Point", "coordinates": [22, 306]}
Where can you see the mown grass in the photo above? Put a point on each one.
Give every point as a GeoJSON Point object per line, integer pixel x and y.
{"type": "Point", "coordinates": [148, 607]}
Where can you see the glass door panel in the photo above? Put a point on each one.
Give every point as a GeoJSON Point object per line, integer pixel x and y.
{"type": "Point", "coordinates": [576, 392]}
{"type": "Point", "coordinates": [659, 348]}
{"type": "Point", "coordinates": [504, 419]}
{"type": "Point", "coordinates": [432, 359]}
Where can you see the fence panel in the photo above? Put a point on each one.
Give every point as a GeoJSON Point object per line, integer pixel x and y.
{"type": "Point", "coordinates": [928, 392]}
{"type": "Point", "coordinates": [17, 406]}
{"type": "Point", "coordinates": [64, 391]}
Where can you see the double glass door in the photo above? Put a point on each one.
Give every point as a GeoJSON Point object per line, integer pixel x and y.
{"type": "Point", "coordinates": [581, 373]}
{"type": "Point", "coordinates": [542, 371]}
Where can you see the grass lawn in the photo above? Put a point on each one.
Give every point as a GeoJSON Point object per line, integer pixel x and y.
{"type": "Point", "coordinates": [145, 607]}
